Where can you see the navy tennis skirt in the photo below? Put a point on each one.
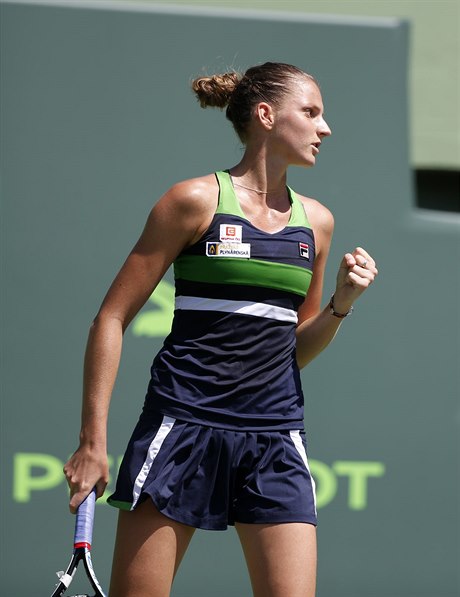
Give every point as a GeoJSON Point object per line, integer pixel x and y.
{"type": "Point", "coordinates": [210, 478]}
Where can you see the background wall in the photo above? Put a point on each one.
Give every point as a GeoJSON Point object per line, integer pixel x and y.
{"type": "Point", "coordinates": [433, 75]}
{"type": "Point", "coordinates": [97, 122]}
{"type": "Point", "coordinates": [433, 78]}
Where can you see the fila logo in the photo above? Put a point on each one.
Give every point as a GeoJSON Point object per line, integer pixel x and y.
{"type": "Point", "coordinates": [304, 250]}
{"type": "Point", "coordinates": [231, 233]}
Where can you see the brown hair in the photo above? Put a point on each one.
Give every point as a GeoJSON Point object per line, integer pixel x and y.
{"type": "Point", "coordinates": [268, 82]}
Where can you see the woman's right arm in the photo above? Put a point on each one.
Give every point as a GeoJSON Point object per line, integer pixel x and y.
{"type": "Point", "coordinates": [177, 220]}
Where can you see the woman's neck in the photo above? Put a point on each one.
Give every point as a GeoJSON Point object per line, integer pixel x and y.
{"type": "Point", "coordinates": [258, 175]}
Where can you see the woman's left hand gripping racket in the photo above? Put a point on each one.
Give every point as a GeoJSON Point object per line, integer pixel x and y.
{"type": "Point", "coordinates": [81, 550]}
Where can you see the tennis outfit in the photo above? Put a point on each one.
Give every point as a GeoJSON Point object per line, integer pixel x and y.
{"type": "Point", "coordinates": [221, 436]}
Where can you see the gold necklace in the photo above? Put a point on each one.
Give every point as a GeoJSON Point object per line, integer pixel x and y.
{"type": "Point", "coordinates": [237, 184]}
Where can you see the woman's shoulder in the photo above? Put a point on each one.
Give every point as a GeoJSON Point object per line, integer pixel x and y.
{"type": "Point", "coordinates": [319, 216]}
{"type": "Point", "coordinates": [190, 203]}
{"type": "Point", "coordinates": [192, 195]}
{"type": "Point", "coordinates": [194, 189]}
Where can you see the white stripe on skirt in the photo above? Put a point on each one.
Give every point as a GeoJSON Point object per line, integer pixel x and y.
{"type": "Point", "coordinates": [298, 443]}
{"type": "Point", "coordinates": [155, 446]}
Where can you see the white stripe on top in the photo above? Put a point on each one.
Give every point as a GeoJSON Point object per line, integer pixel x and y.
{"type": "Point", "coordinates": [195, 303]}
{"type": "Point", "coordinates": [160, 436]}
{"type": "Point", "coordinates": [298, 443]}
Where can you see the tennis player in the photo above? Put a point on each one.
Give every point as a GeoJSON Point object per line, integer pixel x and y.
{"type": "Point", "coordinates": [221, 440]}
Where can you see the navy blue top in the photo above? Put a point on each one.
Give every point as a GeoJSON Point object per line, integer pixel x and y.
{"type": "Point", "coordinates": [229, 360]}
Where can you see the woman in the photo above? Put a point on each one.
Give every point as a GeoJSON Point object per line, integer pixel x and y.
{"type": "Point", "coordinates": [220, 440]}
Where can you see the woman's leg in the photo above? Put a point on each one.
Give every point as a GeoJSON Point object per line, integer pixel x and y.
{"type": "Point", "coordinates": [148, 550]}
{"type": "Point", "coordinates": [281, 558]}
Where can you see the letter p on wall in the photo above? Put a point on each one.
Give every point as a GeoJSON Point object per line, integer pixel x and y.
{"type": "Point", "coordinates": [35, 472]}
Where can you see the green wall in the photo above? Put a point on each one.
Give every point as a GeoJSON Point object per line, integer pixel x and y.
{"type": "Point", "coordinates": [434, 71]}
{"type": "Point", "coordinates": [97, 121]}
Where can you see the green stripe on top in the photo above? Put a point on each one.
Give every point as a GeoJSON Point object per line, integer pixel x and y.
{"type": "Point", "coordinates": [228, 201]}
{"type": "Point", "coordinates": [298, 215]}
{"type": "Point", "coordinates": [229, 204]}
{"type": "Point", "coordinates": [250, 272]}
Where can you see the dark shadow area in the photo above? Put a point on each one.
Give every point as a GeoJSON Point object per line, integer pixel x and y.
{"type": "Point", "coordinates": [438, 189]}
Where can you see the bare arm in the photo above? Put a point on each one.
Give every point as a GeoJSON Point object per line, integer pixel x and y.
{"type": "Point", "coordinates": [316, 327]}
{"type": "Point", "coordinates": [176, 221]}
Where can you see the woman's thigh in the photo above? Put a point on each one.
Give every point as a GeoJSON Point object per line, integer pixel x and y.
{"type": "Point", "coordinates": [148, 550]}
{"type": "Point", "coordinates": [281, 558]}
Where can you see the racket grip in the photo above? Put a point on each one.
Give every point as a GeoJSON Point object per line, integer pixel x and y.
{"type": "Point", "coordinates": [84, 522]}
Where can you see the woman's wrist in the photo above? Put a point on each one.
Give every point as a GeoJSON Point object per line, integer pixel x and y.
{"type": "Point", "coordinates": [338, 311]}
{"type": "Point", "coordinates": [93, 441]}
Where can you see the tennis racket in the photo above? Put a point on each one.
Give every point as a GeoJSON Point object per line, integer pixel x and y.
{"type": "Point", "coordinates": [81, 550]}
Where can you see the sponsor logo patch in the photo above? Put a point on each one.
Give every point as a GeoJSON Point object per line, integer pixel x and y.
{"type": "Point", "coordinates": [229, 249]}
{"type": "Point", "coordinates": [304, 249]}
{"type": "Point", "coordinates": [231, 233]}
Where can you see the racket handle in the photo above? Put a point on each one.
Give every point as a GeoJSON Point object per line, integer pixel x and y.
{"type": "Point", "coordinates": [84, 522]}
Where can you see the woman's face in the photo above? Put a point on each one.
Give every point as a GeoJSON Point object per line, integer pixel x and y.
{"type": "Point", "coordinates": [299, 125]}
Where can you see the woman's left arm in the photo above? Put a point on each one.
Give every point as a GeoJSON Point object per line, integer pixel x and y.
{"type": "Point", "coordinates": [316, 328]}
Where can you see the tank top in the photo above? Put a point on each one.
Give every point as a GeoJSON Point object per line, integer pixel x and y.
{"type": "Point", "coordinates": [230, 359]}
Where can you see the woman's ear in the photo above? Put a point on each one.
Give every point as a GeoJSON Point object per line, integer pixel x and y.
{"type": "Point", "coordinates": [265, 115]}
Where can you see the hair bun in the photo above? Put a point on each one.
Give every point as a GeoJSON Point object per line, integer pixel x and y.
{"type": "Point", "coordinates": [215, 91]}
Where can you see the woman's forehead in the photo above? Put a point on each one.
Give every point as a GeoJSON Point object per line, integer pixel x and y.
{"type": "Point", "coordinates": [305, 90]}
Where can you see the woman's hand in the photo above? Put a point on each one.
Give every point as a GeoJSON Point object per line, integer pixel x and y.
{"type": "Point", "coordinates": [85, 469]}
{"type": "Point", "coordinates": [356, 273]}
